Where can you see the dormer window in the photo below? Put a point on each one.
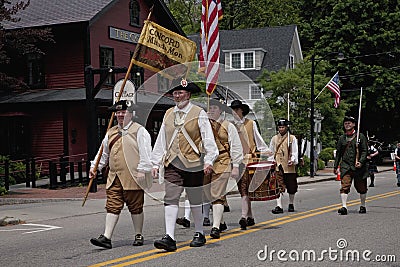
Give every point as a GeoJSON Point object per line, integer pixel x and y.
{"type": "Point", "coordinates": [134, 13]}
{"type": "Point", "coordinates": [242, 60]}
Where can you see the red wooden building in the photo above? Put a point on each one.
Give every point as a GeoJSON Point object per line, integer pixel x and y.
{"type": "Point", "coordinates": [51, 119]}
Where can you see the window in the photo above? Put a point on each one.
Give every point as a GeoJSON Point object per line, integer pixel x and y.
{"type": "Point", "coordinates": [291, 62]}
{"type": "Point", "coordinates": [163, 84]}
{"type": "Point", "coordinates": [255, 92]}
{"type": "Point", "coordinates": [137, 76]}
{"type": "Point", "coordinates": [107, 60]}
{"type": "Point", "coordinates": [134, 12]}
{"type": "Point", "coordinates": [243, 60]}
{"type": "Point", "coordinates": [35, 68]}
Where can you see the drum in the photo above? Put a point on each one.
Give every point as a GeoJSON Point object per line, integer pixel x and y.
{"type": "Point", "coordinates": [263, 184]}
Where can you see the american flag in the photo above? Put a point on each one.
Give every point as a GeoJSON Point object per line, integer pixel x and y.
{"type": "Point", "coordinates": [211, 12]}
{"type": "Point", "coordinates": [333, 86]}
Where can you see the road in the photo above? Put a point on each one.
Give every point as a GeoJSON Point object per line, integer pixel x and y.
{"type": "Point", "coordinates": [314, 235]}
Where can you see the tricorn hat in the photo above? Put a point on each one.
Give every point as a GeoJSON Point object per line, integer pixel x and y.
{"type": "Point", "coordinates": [349, 118]}
{"type": "Point", "coordinates": [238, 104]}
{"type": "Point", "coordinates": [123, 105]}
{"type": "Point", "coordinates": [220, 103]}
{"type": "Point", "coordinates": [183, 84]}
{"type": "Point", "coordinates": [283, 122]}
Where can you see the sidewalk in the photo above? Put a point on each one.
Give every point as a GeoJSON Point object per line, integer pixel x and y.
{"type": "Point", "coordinates": [13, 213]}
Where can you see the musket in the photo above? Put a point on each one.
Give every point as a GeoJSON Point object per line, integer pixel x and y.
{"type": "Point", "coordinates": [358, 130]}
{"type": "Point", "coordinates": [108, 128]}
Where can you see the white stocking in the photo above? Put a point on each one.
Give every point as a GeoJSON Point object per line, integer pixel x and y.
{"type": "Point", "coordinates": [137, 220]}
{"type": "Point", "coordinates": [218, 211]}
{"type": "Point", "coordinates": [111, 221]}
{"type": "Point", "coordinates": [344, 199]}
{"type": "Point", "coordinates": [171, 213]}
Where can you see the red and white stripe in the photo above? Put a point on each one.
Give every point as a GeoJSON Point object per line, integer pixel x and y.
{"type": "Point", "coordinates": [333, 86]}
{"type": "Point", "coordinates": [211, 12]}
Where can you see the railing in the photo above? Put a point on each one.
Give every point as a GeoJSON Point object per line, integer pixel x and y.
{"type": "Point", "coordinates": [61, 171]}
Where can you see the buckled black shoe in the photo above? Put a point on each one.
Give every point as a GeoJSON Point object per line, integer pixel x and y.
{"type": "Point", "coordinates": [139, 240]}
{"type": "Point", "coordinates": [222, 227]}
{"type": "Point", "coordinates": [206, 222]}
{"type": "Point", "coordinates": [342, 211]}
{"type": "Point", "coordinates": [371, 185]}
{"type": "Point", "coordinates": [215, 233]}
{"type": "Point", "coordinates": [362, 210]}
{"type": "Point", "coordinates": [166, 243]}
{"type": "Point", "coordinates": [277, 210]}
{"type": "Point", "coordinates": [250, 221]}
{"type": "Point", "coordinates": [243, 224]}
{"type": "Point", "coordinates": [101, 241]}
{"type": "Point", "coordinates": [227, 209]}
{"type": "Point", "coordinates": [290, 208]}
{"type": "Point", "coordinates": [183, 221]}
{"type": "Point", "coordinates": [198, 240]}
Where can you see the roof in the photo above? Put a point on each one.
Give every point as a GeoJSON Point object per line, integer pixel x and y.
{"type": "Point", "coordinates": [53, 12]}
{"type": "Point", "coordinates": [50, 12]}
{"type": "Point", "coordinates": [275, 41]}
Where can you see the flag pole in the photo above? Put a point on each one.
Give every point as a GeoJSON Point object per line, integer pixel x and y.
{"type": "Point", "coordinates": [288, 117]}
{"type": "Point", "coordinates": [358, 128]}
{"type": "Point", "coordinates": [325, 86]}
{"type": "Point", "coordinates": [98, 156]}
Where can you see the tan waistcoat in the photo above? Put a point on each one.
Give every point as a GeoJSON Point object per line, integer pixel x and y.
{"type": "Point", "coordinates": [124, 157]}
{"type": "Point", "coordinates": [246, 134]}
{"type": "Point", "coordinates": [282, 154]}
{"type": "Point", "coordinates": [180, 147]}
{"type": "Point", "coordinates": [223, 161]}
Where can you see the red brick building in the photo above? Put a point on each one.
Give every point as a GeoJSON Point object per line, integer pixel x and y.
{"type": "Point", "coordinates": [57, 117]}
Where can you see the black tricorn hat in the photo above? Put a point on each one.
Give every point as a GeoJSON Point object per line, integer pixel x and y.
{"type": "Point", "coordinates": [220, 103]}
{"type": "Point", "coordinates": [123, 105]}
{"type": "Point", "coordinates": [349, 118]}
{"type": "Point", "coordinates": [238, 104]}
{"type": "Point", "coordinates": [183, 84]}
{"type": "Point", "coordinates": [283, 122]}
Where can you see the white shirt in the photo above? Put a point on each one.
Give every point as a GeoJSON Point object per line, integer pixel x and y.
{"type": "Point", "coordinates": [295, 150]}
{"type": "Point", "coordinates": [144, 146]}
{"type": "Point", "coordinates": [236, 150]}
{"type": "Point", "coordinates": [260, 144]}
{"type": "Point", "coordinates": [207, 137]}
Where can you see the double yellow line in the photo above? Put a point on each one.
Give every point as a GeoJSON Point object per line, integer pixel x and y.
{"type": "Point", "coordinates": [183, 246]}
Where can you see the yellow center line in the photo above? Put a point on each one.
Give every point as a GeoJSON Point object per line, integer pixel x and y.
{"type": "Point", "coordinates": [182, 246]}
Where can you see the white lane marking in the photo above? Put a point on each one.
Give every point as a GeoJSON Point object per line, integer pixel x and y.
{"type": "Point", "coordinates": [36, 228]}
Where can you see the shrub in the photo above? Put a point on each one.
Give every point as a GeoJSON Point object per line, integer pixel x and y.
{"type": "Point", "coordinates": [326, 154]}
{"type": "Point", "coordinates": [321, 164]}
{"type": "Point", "coordinates": [304, 170]}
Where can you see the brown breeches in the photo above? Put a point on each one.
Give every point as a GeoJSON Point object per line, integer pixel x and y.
{"type": "Point", "coordinates": [359, 183]}
{"type": "Point", "coordinates": [287, 181]}
{"type": "Point", "coordinates": [117, 197]}
{"type": "Point", "coordinates": [215, 187]}
{"type": "Point", "coordinates": [176, 180]}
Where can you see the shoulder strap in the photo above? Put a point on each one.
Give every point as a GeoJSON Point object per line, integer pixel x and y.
{"type": "Point", "coordinates": [279, 145]}
{"type": "Point", "coordinates": [114, 141]}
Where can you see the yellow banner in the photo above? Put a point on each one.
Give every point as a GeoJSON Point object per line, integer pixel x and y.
{"type": "Point", "coordinates": [159, 48]}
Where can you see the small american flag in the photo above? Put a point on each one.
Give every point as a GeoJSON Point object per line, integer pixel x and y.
{"type": "Point", "coordinates": [333, 86]}
{"type": "Point", "coordinates": [211, 12]}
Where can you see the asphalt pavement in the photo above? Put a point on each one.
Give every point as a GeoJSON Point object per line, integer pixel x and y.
{"type": "Point", "coordinates": [19, 205]}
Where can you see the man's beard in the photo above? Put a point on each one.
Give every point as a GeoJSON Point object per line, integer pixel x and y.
{"type": "Point", "coordinates": [181, 104]}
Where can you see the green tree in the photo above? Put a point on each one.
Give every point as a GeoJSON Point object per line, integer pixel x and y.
{"type": "Point", "coordinates": [242, 14]}
{"type": "Point", "coordinates": [296, 82]}
{"type": "Point", "coordinates": [16, 44]}
{"type": "Point", "coordinates": [187, 13]}
{"type": "Point", "coordinates": [366, 32]}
